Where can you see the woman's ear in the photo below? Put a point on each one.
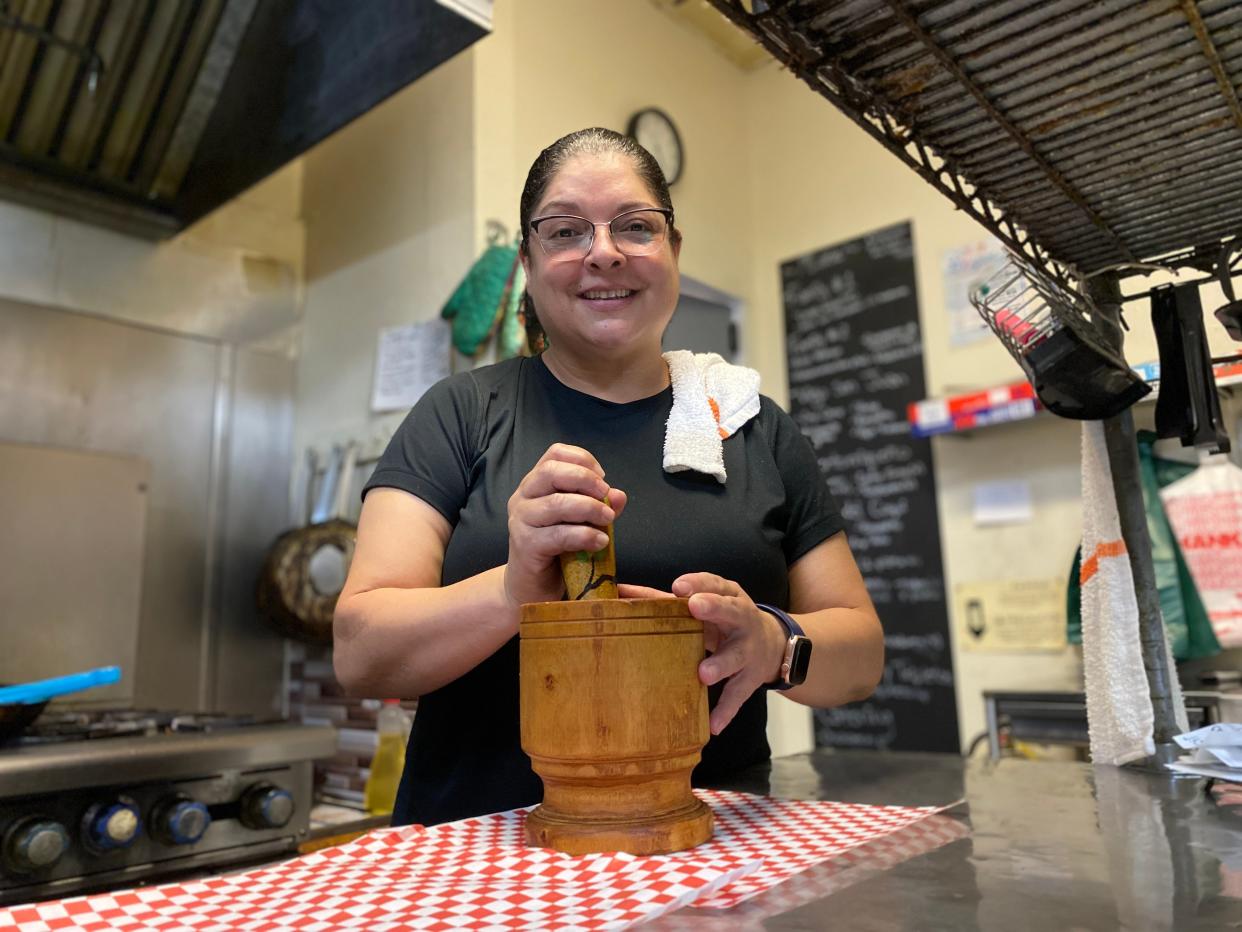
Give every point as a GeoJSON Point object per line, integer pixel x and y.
{"type": "Point", "coordinates": [525, 259]}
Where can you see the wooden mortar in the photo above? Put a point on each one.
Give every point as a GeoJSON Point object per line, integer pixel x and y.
{"type": "Point", "coordinates": [614, 719]}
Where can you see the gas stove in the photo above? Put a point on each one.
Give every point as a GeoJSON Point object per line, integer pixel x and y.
{"type": "Point", "coordinates": [107, 798]}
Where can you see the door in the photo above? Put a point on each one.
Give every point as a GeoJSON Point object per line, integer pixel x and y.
{"type": "Point", "coordinates": [704, 325]}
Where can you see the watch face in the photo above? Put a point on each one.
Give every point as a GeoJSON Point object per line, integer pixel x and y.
{"type": "Point", "coordinates": [656, 133]}
{"type": "Point", "coordinates": [800, 662]}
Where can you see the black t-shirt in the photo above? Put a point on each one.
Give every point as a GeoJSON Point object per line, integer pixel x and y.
{"type": "Point", "coordinates": [464, 448]}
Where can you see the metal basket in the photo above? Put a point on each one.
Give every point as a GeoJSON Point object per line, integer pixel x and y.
{"type": "Point", "coordinates": [1056, 336]}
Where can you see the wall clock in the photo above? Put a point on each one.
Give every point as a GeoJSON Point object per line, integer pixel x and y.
{"type": "Point", "coordinates": [654, 130]}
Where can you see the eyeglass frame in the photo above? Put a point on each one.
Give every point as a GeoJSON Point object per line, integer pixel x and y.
{"type": "Point", "coordinates": [535, 221]}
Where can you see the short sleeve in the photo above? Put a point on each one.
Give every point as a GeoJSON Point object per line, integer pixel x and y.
{"type": "Point", "coordinates": [813, 513]}
{"type": "Point", "coordinates": [433, 452]}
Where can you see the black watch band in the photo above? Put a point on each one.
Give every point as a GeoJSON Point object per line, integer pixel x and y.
{"type": "Point", "coordinates": [797, 650]}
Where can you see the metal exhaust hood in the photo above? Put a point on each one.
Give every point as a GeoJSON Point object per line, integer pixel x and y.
{"type": "Point", "coordinates": [145, 115]}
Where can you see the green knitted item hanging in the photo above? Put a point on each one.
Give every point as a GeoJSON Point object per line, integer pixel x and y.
{"type": "Point", "coordinates": [512, 332]}
{"type": "Point", "coordinates": [473, 306]}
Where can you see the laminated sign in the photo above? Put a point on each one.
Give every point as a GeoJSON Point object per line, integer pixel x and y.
{"type": "Point", "coordinates": [1205, 512]}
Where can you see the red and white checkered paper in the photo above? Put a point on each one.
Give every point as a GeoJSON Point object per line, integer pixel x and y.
{"type": "Point", "coordinates": [478, 874]}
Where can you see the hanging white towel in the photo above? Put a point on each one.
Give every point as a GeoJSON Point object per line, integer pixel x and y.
{"type": "Point", "coordinates": [712, 398]}
{"type": "Point", "coordinates": [1119, 712]}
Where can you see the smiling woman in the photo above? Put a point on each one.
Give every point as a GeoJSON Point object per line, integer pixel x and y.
{"type": "Point", "coordinates": [497, 472]}
{"type": "Point", "coordinates": [608, 294]}
{"type": "Point", "coordinates": [607, 297]}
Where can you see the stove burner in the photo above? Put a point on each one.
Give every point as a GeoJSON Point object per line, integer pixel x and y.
{"type": "Point", "coordinates": [57, 726]}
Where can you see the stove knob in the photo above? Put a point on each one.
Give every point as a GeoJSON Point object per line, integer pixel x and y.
{"type": "Point", "coordinates": [35, 845]}
{"type": "Point", "coordinates": [180, 820]}
{"type": "Point", "coordinates": [266, 806]}
{"type": "Point", "coordinates": [109, 826]}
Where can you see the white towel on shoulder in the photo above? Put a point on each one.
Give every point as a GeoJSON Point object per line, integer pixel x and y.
{"type": "Point", "coordinates": [712, 398]}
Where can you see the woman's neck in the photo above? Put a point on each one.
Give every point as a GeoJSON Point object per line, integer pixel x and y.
{"type": "Point", "coordinates": [611, 379]}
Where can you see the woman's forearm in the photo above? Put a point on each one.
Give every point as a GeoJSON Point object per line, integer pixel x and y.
{"type": "Point", "coordinates": [847, 659]}
{"type": "Point", "coordinates": [403, 643]}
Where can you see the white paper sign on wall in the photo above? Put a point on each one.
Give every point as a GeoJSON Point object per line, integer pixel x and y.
{"type": "Point", "coordinates": [1010, 615]}
{"type": "Point", "coordinates": [409, 360]}
{"type": "Point", "coordinates": [1007, 501]}
{"type": "Point", "coordinates": [960, 268]}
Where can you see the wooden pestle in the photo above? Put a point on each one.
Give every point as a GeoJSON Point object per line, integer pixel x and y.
{"type": "Point", "coordinates": [591, 575]}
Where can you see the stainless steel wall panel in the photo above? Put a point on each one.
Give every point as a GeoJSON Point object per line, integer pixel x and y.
{"type": "Point", "coordinates": [99, 385]}
{"type": "Point", "coordinates": [248, 653]}
{"type": "Point", "coordinates": [91, 384]}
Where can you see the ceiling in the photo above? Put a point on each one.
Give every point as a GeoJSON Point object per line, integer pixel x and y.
{"type": "Point", "coordinates": [144, 115]}
{"type": "Point", "coordinates": [735, 44]}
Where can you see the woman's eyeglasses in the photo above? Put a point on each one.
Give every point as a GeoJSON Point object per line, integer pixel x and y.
{"type": "Point", "coordinates": [635, 233]}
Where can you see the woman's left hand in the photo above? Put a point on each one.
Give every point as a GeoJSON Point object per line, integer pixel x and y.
{"type": "Point", "coordinates": [747, 643]}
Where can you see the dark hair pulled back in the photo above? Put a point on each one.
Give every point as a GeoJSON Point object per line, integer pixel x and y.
{"type": "Point", "coordinates": [593, 141]}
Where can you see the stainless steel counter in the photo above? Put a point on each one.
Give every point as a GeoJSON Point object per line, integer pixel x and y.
{"type": "Point", "coordinates": [1044, 845]}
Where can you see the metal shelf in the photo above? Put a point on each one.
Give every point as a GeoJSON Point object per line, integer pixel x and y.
{"type": "Point", "coordinates": [1083, 133]}
{"type": "Point", "coordinates": [1004, 404]}
{"type": "Point", "coordinates": [971, 410]}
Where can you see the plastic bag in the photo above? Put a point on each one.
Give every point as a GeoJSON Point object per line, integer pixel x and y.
{"type": "Point", "coordinates": [1205, 512]}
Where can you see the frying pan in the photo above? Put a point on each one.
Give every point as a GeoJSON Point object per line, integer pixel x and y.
{"type": "Point", "coordinates": [305, 568]}
{"type": "Point", "coordinates": [16, 717]}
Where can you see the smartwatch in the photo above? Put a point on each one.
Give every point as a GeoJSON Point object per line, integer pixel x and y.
{"type": "Point", "coordinates": [797, 650]}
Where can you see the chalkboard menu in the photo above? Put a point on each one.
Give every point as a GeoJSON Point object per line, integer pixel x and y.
{"type": "Point", "coordinates": [855, 362]}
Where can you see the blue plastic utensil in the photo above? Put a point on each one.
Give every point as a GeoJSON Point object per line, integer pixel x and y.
{"type": "Point", "coordinates": [42, 690]}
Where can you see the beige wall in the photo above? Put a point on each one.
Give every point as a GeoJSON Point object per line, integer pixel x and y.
{"type": "Point", "coordinates": [536, 80]}
{"type": "Point", "coordinates": [375, 226]}
{"type": "Point", "coordinates": [817, 179]}
{"type": "Point", "coordinates": [389, 211]}
{"type": "Point", "coordinates": [772, 171]}
{"type": "Point", "coordinates": [397, 205]}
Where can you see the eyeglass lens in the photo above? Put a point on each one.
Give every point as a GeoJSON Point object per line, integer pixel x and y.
{"type": "Point", "coordinates": [636, 233]}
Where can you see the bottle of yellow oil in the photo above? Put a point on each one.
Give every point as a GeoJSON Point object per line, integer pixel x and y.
{"type": "Point", "coordinates": [380, 792]}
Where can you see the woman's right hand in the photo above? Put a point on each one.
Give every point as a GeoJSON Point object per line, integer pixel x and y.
{"type": "Point", "coordinates": [558, 507]}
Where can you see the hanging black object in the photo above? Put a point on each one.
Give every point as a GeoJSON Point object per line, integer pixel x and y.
{"type": "Point", "coordinates": [1188, 407]}
{"type": "Point", "coordinates": [1230, 317]}
{"type": "Point", "coordinates": [1057, 337]}
{"type": "Point", "coordinates": [1076, 377]}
